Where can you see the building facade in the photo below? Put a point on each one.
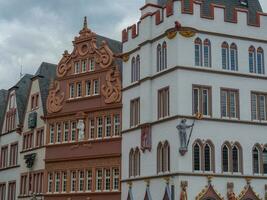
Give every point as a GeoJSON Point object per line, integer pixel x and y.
{"type": "Point", "coordinates": [10, 143]}
{"type": "Point", "coordinates": [83, 148]}
{"type": "Point", "coordinates": [32, 152]}
{"type": "Point", "coordinates": [194, 102]}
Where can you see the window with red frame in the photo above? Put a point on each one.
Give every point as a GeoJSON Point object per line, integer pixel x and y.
{"type": "Point", "coordinates": [4, 157]}
{"type": "Point", "coordinates": [23, 185]}
{"type": "Point", "coordinates": [34, 101]}
{"type": "Point", "coordinates": [40, 138]}
{"type": "Point", "coordinates": [2, 191]}
{"type": "Point", "coordinates": [28, 141]}
{"type": "Point", "coordinates": [11, 190]}
{"type": "Point", "coordinates": [13, 158]}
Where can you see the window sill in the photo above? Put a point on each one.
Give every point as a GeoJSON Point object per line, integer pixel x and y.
{"type": "Point", "coordinates": [9, 167]}
{"type": "Point", "coordinates": [31, 149]}
{"type": "Point", "coordinates": [82, 98]}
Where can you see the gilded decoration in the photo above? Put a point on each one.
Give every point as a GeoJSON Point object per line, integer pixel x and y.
{"type": "Point", "coordinates": [112, 88]}
{"type": "Point", "coordinates": [171, 34]}
{"type": "Point", "coordinates": [248, 192]}
{"type": "Point", "coordinates": [55, 99]}
{"type": "Point", "coordinates": [209, 191]}
{"type": "Point", "coordinates": [85, 45]}
{"type": "Point", "coordinates": [187, 32]}
{"type": "Point", "coordinates": [125, 58]}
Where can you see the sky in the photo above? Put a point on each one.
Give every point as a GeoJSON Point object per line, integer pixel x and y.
{"type": "Point", "coordinates": [36, 31]}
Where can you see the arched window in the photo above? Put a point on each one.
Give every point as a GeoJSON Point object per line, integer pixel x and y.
{"type": "Point", "coordinates": [207, 53]}
{"type": "Point", "coordinates": [159, 157]}
{"type": "Point", "coordinates": [207, 157]}
{"type": "Point", "coordinates": [225, 158]}
{"type": "Point", "coordinates": [131, 163]}
{"type": "Point", "coordinates": [225, 55]}
{"type": "Point", "coordinates": [133, 70]}
{"type": "Point", "coordinates": [252, 59]}
{"type": "Point", "coordinates": [137, 68]}
{"type": "Point", "coordinates": [197, 156]}
{"type": "Point", "coordinates": [235, 158]}
{"type": "Point", "coordinates": [164, 55]}
{"type": "Point", "coordinates": [260, 61]}
{"type": "Point", "coordinates": [137, 162]}
{"type": "Point", "coordinates": [159, 57]}
{"type": "Point", "coordinates": [256, 160]}
{"type": "Point", "coordinates": [264, 160]}
{"type": "Point", "coordinates": [166, 157]}
{"type": "Point", "coordinates": [198, 52]}
{"type": "Point", "coordinates": [234, 57]}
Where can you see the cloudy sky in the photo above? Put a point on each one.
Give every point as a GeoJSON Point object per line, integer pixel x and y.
{"type": "Point", "coordinates": [32, 31]}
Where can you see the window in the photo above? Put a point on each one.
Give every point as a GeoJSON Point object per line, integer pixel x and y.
{"type": "Point", "coordinates": [108, 126]}
{"type": "Point", "coordinates": [234, 57]}
{"type": "Point", "coordinates": [73, 181]}
{"type": "Point", "coordinates": [256, 160]}
{"type": "Point", "coordinates": [84, 65]}
{"type": "Point", "coordinates": [4, 157]}
{"type": "Point", "coordinates": [37, 183]}
{"type": "Point", "coordinates": [81, 180]}
{"type": "Point", "coordinates": [107, 180]}
{"type": "Point", "coordinates": [77, 67]}
{"type": "Point", "coordinates": [71, 90]}
{"type": "Point", "coordinates": [161, 56]}
{"type": "Point", "coordinates": [92, 129]}
{"type": "Point", "coordinates": [3, 191]}
{"type": "Point", "coordinates": [135, 112]}
{"type": "Point", "coordinates": [258, 106]}
{"type": "Point", "coordinates": [202, 100]}
{"type": "Point", "coordinates": [52, 129]}
{"type": "Point", "coordinates": [96, 87]}
{"type": "Point", "coordinates": [207, 53]}
{"type": "Point", "coordinates": [73, 131]}
{"type": "Point", "coordinates": [207, 157]}
{"type": "Point", "coordinates": [260, 61]}
{"type": "Point", "coordinates": [198, 52]}
{"type": "Point", "coordinates": [89, 181]}
{"type": "Point", "coordinates": [13, 155]}
{"type": "Point", "coordinates": [58, 133]}
{"type": "Point", "coordinates": [163, 157]}
{"type": "Point", "coordinates": [131, 163]}
{"type": "Point", "coordinates": [57, 181]}
{"type": "Point", "coordinates": [40, 138]}
{"type": "Point", "coordinates": [50, 182]}
{"type": "Point", "coordinates": [235, 158]}
{"type": "Point", "coordinates": [91, 64]}
{"type": "Point", "coordinates": [66, 132]}
{"type": "Point", "coordinates": [225, 55]}
{"type": "Point", "coordinates": [264, 160]}
{"type": "Point", "coordinates": [28, 140]}
{"type": "Point", "coordinates": [88, 88]}
{"type": "Point", "coordinates": [252, 59]}
{"type": "Point", "coordinates": [99, 174]}
{"type": "Point", "coordinates": [11, 191]}
{"type": "Point", "coordinates": [116, 179]}
{"type": "Point", "coordinates": [23, 185]}
{"type": "Point", "coordinates": [225, 158]}
{"type": "Point", "coordinates": [99, 127]}
{"type": "Point", "coordinates": [34, 101]}
{"type": "Point", "coordinates": [197, 156]}
{"type": "Point", "coordinates": [229, 103]}
{"type": "Point", "coordinates": [64, 182]}
{"type": "Point", "coordinates": [163, 103]}
{"type": "Point", "coordinates": [117, 127]}
{"type": "Point", "coordinates": [134, 162]}
{"type": "Point", "coordinates": [79, 89]}
{"type": "Point", "coordinates": [135, 69]}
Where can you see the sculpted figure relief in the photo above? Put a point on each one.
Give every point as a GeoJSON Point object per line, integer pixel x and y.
{"type": "Point", "coordinates": [55, 100]}
{"type": "Point", "coordinates": [112, 89]}
{"type": "Point", "coordinates": [182, 128]}
{"type": "Point", "coordinates": [80, 127]}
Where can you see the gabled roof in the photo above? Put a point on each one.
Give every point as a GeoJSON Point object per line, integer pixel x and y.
{"type": "Point", "coordinates": [3, 101]}
{"type": "Point", "coordinates": [252, 5]}
{"type": "Point", "coordinates": [45, 74]}
{"type": "Point", "coordinates": [22, 89]}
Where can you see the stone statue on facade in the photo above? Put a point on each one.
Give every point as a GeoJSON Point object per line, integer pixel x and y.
{"type": "Point", "coordinates": [182, 128]}
{"type": "Point", "coordinates": [80, 127]}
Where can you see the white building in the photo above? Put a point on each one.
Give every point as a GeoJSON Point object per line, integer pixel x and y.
{"type": "Point", "coordinates": [32, 152]}
{"type": "Point", "coordinates": [185, 58]}
{"type": "Point", "coordinates": [10, 142]}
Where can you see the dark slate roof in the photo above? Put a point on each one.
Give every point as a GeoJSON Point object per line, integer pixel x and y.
{"type": "Point", "coordinates": [3, 101]}
{"type": "Point", "coordinates": [252, 5]}
{"type": "Point", "coordinates": [45, 74]}
{"type": "Point", "coordinates": [22, 89]}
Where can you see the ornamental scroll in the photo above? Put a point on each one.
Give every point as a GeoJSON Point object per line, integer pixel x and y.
{"type": "Point", "coordinates": [54, 100]}
{"type": "Point", "coordinates": [112, 89]}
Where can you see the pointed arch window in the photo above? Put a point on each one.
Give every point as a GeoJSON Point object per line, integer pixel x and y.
{"type": "Point", "coordinates": [207, 157]}
{"type": "Point", "coordinates": [197, 157]}
{"type": "Point", "coordinates": [234, 57]}
{"type": "Point", "coordinates": [135, 69]}
{"type": "Point", "coordinates": [161, 56]}
{"type": "Point", "coordinates": [164, 55]}
{"type": "Point", "coordinates": [256, 160]}
{"type": "Point", "coordinates": [131, 163]}
{"type": "Point", "coordinates": [225, 55]}
{"type": "Point", "coordinates": [252, 59]}
{"type": "Point", "coordinates": [137, 162]}
{"type": "Point", "coordinates": [225, 158]}
{"type": "Point", "coordinates": [198, 52]}
{"type": "Point", "coordinates": [260, 61]}
{"type": "Point", "coordinates": [264, 160]}
{"type": "Point", "coordinates": [163, 157]}
{"type": "Point", "coordinates": [207, 53]}
{"type": "Point", "coordinates": [235, 158]}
